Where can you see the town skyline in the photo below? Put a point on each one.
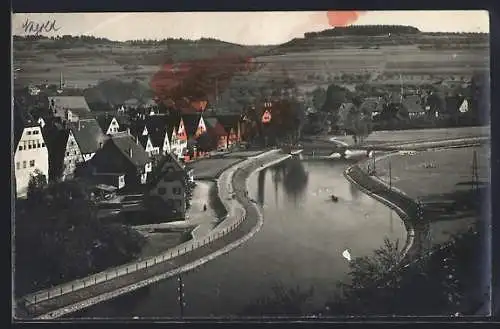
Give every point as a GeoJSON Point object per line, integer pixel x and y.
{"type": "Point", "coordinates": [245, 28]}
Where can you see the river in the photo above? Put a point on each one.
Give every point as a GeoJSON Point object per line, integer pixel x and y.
{"type": "Point", "coordinates": [299, 245]}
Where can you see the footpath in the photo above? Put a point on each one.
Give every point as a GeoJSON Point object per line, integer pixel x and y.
{"type": "Point", "coordinates": [243, 219]}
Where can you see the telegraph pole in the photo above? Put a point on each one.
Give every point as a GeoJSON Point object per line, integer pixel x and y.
{"type": "Point", "coordinates": [181, 296]}
{"type": "Point", "coordinates": [390, 189]}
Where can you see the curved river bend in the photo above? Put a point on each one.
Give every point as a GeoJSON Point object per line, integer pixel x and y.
{"type": "Point", "coordinates": [300, 244]}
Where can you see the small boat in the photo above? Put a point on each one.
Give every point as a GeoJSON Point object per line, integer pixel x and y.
{"type": "Point", "coordinates": [334, 198]}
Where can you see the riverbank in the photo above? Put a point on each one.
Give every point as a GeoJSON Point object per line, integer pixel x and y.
{"type": "Point", "coordinates": [184, 258]}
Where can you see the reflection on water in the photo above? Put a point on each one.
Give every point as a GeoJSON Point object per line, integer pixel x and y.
{"type": "Point", "coordinates": [300, 244]}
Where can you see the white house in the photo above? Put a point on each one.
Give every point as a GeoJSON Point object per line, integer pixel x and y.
{"type": "Point", "coordinates": [178, 141]}
{"type": "Point", "coordinates": [31, 154]}
{"type": "Point", "coordinates": [464, 107]}
{"type": "Point", "coordinates": [109, 124]}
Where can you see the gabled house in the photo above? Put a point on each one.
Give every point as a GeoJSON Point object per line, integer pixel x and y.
{"type": "Point", "coordinates": [232, 126]}
{"type": "Point", "coordinates": [156, 127]}
{"type": "Point", "coordinates": [168, 188]}
{"type": "Point", "coordinates": [218, 133]}
{"type": "Point", "coordinates": [30, 154]}
{"type": "Point", "coordinates": [464, 107]}
{"type": "Point", "coordinates": [109, 124]}
{"type": "Point", "coordinates": [89, 137]}
{"type": "Point", "coordinates": [201, 127]}
{"type": "Point", "coordinates": [72, 156]}
{"type": "Point", "coordinates": [145, 141]}
{"type": "Point", "coordinates": [59, 104]}
{"type": "Point", "coordinates": [179, 141]}
{"type": "Point", "coordinates": [413, 105]}
{"type": "Point", "coordinates": [121, 154]}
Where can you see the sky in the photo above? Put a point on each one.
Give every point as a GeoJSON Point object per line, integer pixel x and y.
{"type": "Point", "coordinates": [249, 28]}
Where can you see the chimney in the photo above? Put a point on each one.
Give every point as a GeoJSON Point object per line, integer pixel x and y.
{"type": "Point", "coordinates": [130, 152]}
{"type": "Point", "coordinates": [128, 131]}
{"type": "Point", "coordinates": [79, 126]}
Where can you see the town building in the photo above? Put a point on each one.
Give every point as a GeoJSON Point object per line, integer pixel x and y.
{"type": "Point", "coordinates": [217, 132]}
{"type": "Point", "coordinates": [232, 125]}
{"type": "Point", "coordinates": [109, 124]}
{"type": "Point", "coordinates": [168, 188]}
{"type": "Point", "coordinates": [179, 140]}
{"type": "Point", "coordinates": [89, 136]}
{"type": "Point", "coordinates": [145, 142]}
{"type": "Point", "coordinates": [413, 105]}
{"type": "Point", "coordinates": [31, 155]}
{"type": "Point", "coordinates": [60, 104]}
{"type": "Point", "coordinates": [72, 156]}
{"type": "Point", "coordinates": [372, 105]}
{"type": "Point", "coordinates": [122, 154]}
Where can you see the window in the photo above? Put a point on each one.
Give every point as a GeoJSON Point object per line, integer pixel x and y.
{"type": "Point", "coordinates": [20, 147]}
{"type": "Point", "coordinates": [29, 146]}
{"type": "Point", "coordinates": [28, 132]}
{"type": "Point", "coordinates": [67, 153]}
{"type": "Point", "coordinates": [71, 143]}
{"type": "Point", "coordinates": [32, 163]}
{"type": "Point", "coordinates": [176, 191]}
{"type": "Point", "coordinates": [37, 144]}
{"type": "Point", "coordinates": [24, 164]}
{"type": "Point", "coordinates": [18, 165]}
{"type": "Point", "coordinates": [35, 132]}
{"type": "Point", "coordinates": [43, 144]}
{"type": "Point", "coordinates": [162, 191]}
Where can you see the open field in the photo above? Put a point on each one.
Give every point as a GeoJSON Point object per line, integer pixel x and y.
{"type": "Point", "coordinates": [441, 180]}
{"type": "Point", "coordinates": [84, 66]}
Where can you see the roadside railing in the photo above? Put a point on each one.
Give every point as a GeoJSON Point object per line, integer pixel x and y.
{"type": "Point", "coordinates": [122, 270]}
{"type": "Point", "coordinates": [149, 262]}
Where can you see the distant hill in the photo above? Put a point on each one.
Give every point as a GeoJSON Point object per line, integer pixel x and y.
{"type": "Point", "coordinates": [376, 36]}
{"type": "Point", "coordinates": [133, 52]}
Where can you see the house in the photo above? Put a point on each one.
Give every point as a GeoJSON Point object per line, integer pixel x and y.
{"type": "Point", "coordinates": [122, 154]}
{"type": "Point", "coordinates": [464, 107]}
{"type": "Point", "coordinates": [77, 114]}
{"type": "Point", "coordinates": [217, 131]}
{"type": "Point", "coordinates": [33, 90]}
{"type": "Point", "coordinates": [158, 128]}
{"type": "Point", "coordinates": [109, 124]}
{"type": "Point", "coordinates": [454, 104]}
{"type": "Point", "coordinates": [89, 137]}
{"type": "Point", "coordinates": [232, 126]}
{"type": "Point", "coordinates": [373, 106]}
{"type": "Point", "coordinates": [179, 140]}
{"type": "Point", "coordinates": [72, 156]}
{"type": "Point", "coordinates": [59, 104]}
{"type": "Point", "coordinates": [145, 141]}
{"type": "Point", "coordinates": [168, 188]}
{"type": "Point", "coordinates": [413, 105]}
{"type": "Point", "coordinates": [120, 110]}
{"type": "Point", "coordinates": [30, 155]}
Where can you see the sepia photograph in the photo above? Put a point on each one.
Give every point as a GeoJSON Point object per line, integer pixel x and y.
{"type": "Point", "coordinates": [250, 165]}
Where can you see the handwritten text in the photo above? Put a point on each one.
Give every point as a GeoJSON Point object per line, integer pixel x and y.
{"type": "Point", "coordinates": [35, 28]}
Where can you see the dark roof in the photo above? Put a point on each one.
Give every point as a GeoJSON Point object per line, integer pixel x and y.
{"type": "Point", "coordinates": [157, 126]}
{"type": "Point", "coordinates": [69, 102]}
{"type": "Point", "coordinates": [453, 103]}
{"type": "Point", "coordinates": [123, 120]}
{"type": "Point", "coordinates": [159, 173]}
{"type": "Point", "coordinates": [88, 135]}
{"type": "Point", "coordinates": [104, 122]}
{"type": "Point", "coordinates": [229, 121]}
{"type": "Point", "coordinates": [82, 113]}
{"type": "Point", "coordinates": [214, 127]}
{"type": "Point", "coordinates": [413, 104]}
{"type": "Point", "coordinates": [125, 143]}
{"type": "Point", "coordinates": [143, 140]}
{"type": "Point", "coordinates": [191, 123]}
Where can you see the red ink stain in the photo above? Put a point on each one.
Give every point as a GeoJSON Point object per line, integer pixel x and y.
{"type": "Point", "coordinates": [192, 85]}
{"type": "Point", "coordinates": [343, 18]}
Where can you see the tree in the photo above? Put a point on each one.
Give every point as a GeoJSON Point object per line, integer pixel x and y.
{"type": "Point", "coordinates": [358, 123]}
{"type": "Point", "coordinates": [36, 184]}
{"type": "Point", "coordinates": [318, 98]}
